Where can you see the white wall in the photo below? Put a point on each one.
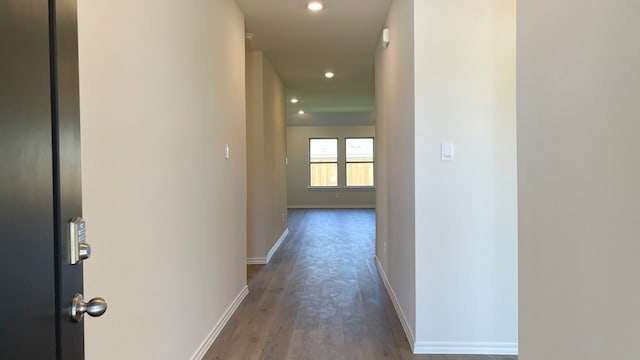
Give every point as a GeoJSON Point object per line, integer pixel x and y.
{"type": "Point", "coordinates": [463, 298]}
{"type": "Point", "coordinates": [466, 210]}
{"type": "Point", "coordinates": [579, 170]}
{"type": "Point", "coordinates": [161, 93]}
{"type": "Point", "coordinates": [298, 169]}
{"type": "Point", "coordinates": [395, 109]}
{"type": "Point", "coordinates": [266, 152]}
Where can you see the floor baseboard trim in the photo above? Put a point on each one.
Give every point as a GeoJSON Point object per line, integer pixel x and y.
{"type": "Point", "coordinates": [331, 206]}
{"type": "Point", "coordinates": [256, 261]}
{"type": "Point", "coordinates": [208, 341]}
{"type": "Point", "coordinates": [396, 305]}
{"type": "Point", "coordinates": [465, 348]}
{"type": "Point", "coordinates": [443, 348]}
{"type": "Point", "coordinates": [274, 248]}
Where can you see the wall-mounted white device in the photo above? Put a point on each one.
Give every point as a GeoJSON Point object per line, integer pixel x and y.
{"type": "Point", "coordinates": [385, 37]}
{"type": "Point", "coordinates": [448, 152]}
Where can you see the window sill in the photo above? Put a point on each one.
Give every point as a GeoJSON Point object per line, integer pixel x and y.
{"type": "Point", "coordinates": [324, 188]}
{"type": "Point", "coordinates": [341, 188]}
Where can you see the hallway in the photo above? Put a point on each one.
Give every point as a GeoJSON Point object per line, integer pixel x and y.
{"type": "Point", "coordinates": [319, 298]}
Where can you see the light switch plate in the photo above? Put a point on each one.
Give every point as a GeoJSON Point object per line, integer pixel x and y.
{"type": "Point", "coordinates": [226, 151]}
{"type": "Point", "coordinates": [448, 152]}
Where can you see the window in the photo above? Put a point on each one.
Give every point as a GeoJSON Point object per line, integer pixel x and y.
{"type": "Point", "coordinates": [359, 161]}
{"type": "Point", "coordinates": [333, 166]}
{"type": "Point", "coordinates": [323, 162]}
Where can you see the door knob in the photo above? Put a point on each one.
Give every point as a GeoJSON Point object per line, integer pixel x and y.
{"type": "Point", "coordinates": [94, 307]}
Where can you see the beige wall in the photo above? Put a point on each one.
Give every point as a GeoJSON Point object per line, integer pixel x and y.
{"type": "Point", "coordinates": [579, 170]}
{"type": "Point", "coordinates": [161, 93]}
{"type": "Point", "coordinates": [395, 107]}
{"type": "Point", "coordinates": [466, 210]}
{"type": "Point", "coordinates": [298, 169]}
{"type": "Point", "coordinates": [447, 231]}
{"type": "Point", "coordinates": [266, 141]}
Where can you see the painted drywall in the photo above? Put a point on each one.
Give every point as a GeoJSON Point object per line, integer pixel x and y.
{"type": "Point", "coordinates": [161, 93]}
{"type": "Point", "coordinates": [578, 176]}
{"type": "Point", "coordinates": [266, 153]}
{"type": "Point", "coordinates": [466, 210]}
{"type": "Point", "coordinates": [456, 221]}
{"type": "Point", "coordinates": [315, 119]}
{"type": "Point", "coordinates": [299, 196]}
{"type": "Point", "coordinates": [395, 213]}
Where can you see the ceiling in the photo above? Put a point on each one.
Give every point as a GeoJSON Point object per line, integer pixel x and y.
{"type": "Point", "coordinates": [303, 45]}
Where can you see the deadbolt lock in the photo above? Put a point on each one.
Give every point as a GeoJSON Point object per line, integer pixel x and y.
{"type": "Point", "coordinates": [79, 250]}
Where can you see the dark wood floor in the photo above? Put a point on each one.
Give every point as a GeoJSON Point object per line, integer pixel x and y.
{"type": "Point", "coordinates": [320, 298]}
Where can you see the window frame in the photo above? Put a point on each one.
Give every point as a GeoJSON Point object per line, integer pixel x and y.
{"type": "Point", "coordinates": [337, 163]}
{"type": "Point", "coordinates": [347, 162]}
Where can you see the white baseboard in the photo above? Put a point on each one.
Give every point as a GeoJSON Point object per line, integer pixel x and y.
{"type": "Point", "coordinates": [396, 305]}
{"type": "Point", "coordinates": [463, 348]}
{"type": "Point", "coordinates": [208, 341]}
{"type": "Point", "coordinates": [274, 248]}
{"type": "Point", "coordinates": [443, 348]}
{"type": "Point", "coordinates": [331, 206]}
{"type": "Point", "coordinates": [256, 261]}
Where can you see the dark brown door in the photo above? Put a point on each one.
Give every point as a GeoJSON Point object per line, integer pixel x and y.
{"type": "Point", "coordinates": [39, 179]}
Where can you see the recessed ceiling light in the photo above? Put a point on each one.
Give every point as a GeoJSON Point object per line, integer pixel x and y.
{"type": "Point", "coordinates": [314, 6]}
{"type": "Point", "coordinates": [301, 112]}
{"type": "Point", "coordinates": [328, 74]}
{"type": "Point", "coordinates": [294, 100]}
